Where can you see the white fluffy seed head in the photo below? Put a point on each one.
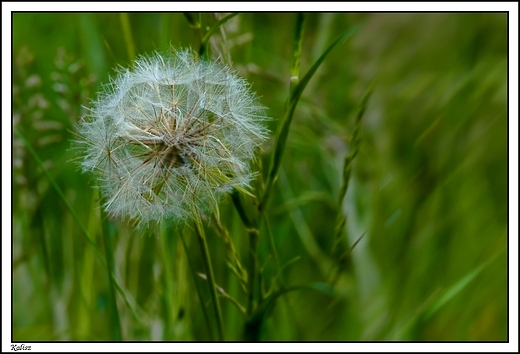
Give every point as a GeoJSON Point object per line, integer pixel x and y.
{"type": "Point", "coordinates": [170, 137]}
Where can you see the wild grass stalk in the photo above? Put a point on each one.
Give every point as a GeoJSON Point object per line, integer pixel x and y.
{"type": "Point", "coordinates": [201, 238]}
{"type": "Point", "coordinates": [431, 151]}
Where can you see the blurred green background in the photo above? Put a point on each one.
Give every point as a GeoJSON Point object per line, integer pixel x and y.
{"type": "Point", "coordinates": [428, 188]}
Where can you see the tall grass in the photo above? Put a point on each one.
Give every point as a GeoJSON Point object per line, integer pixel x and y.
{"type": "Point", "coordinates": [379, 211]}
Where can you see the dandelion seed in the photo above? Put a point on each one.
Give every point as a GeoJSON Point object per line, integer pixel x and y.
{"type": "Point", "coordinates": [171, 137]}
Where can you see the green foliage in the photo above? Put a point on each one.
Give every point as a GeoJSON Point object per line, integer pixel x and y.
{"type": "Point", "coordinates": [387, 213]}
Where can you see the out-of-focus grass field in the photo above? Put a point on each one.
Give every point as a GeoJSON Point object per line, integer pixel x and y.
{"type": "Point", "coordinates": [428, 188]}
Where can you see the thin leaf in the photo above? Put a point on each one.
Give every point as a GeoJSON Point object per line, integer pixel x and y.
{"type": "Point", "coordinates": [225, 295]}
{"type": "Point", "coordinates": [58, 190]}
{"type": "Point", "coordinates": [76, 218]}
{"type": "Point", "coordinates": [90, 39]}
{"type": "Point", "coordinates": [283, 128]}
{"type": "Point", "coordinates": [303, 83]}
{"type": "Point", "coordinates": [114, 314]}
{"type": "Point", "coordinates": [297, 51]}
{"type": "Point", "coordinates": [201, 237]}
{"type": "Point", "coordinates": [432, 307]}
{"type": "Point", "coordinates": [203, 52]}
{"type": "Point", "coordinates": [197, 288]}
{"type": "Point", "coordinates": [246, 220]}
{"type": "Point", "coordinates": [193, 19]}
{"type": "Point", "coordinates": [453, 291]}
{"type": "Point", "coordinates": [234, 261]}
{"type": "Point", "coordinates": [168, 293]}
{"type": "Point", "coordinates": [127, 33]}
{"type": "Point", "coordinates": [304, 198]}
{"type": "Point", "coordinates": [164, 38]}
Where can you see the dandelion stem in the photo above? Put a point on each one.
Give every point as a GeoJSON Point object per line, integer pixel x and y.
{"type": "Point", "coordinates": [211, 278]}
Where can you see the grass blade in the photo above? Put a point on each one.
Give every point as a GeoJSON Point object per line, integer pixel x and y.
{"type": "Point", "coordinates": [203, 51]}
{"type": "Point", "coordinates": [193, 19]}
{"type": "Point", "coordinates": [297, 51]}
{"type": "Point", "coordinates": [195, 22]}
{"type": "Point", "coordinates": [114, 313]}
{"type": "Point", "coordinates": [233, 263]}
{"type": "Point", "coordinates": [201, 237]}
{"type": "Point", "coordinates": [434, 306]}
{"type": "Point", "coordinates": [453, 291]}
{"type": "Point", "coordinates": [58, 190]}
{"type": "Point", "coordinates": [295, 96]}
{"type": "Point", "coordinates": [76, 218]}
{"type": "Point", "coordinates": [127, 33]}
{"type": "Point", "coordinates": [164, 37]}
{"type": "Point", "coordinates": [283, 130]}
{"type": "Point", "coordinates": [199, 292]}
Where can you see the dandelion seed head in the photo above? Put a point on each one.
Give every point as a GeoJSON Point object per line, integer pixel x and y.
{"type": "Point", "coordinates": [171, 136]}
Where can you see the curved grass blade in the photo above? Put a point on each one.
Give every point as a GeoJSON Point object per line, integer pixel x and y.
{"type": "Point", "coordinates": [453, 291]}
{"type": "Point", "coordinates": [58, 190]}
{"type": "Point", "coordinates": [193, 19]}
{"type": "Point", "coordinates": [76, 218]}
{"type": "Point", "coordinates": [283, 130]}
{"type": "Point", "coordinates": [225, 295]}
{"type": "Point", "coordinates": [440, 300]}
{"type": "Point", "coordinates": [195, 22]}
{"type": "Point", "coordinates": [203, 50]}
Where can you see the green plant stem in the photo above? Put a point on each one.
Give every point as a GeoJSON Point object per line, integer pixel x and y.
{"type": "Point", "coordinates": [297, 51]}
{"type": "Point", "coordinates": [164, 39]}
{"type": "Point", "coordinates": [251, 223]}
{"type": "Point", "coordinates": [194, 19]}
{"type": "Point", "coordinates": [283, 128]}
{"type": "Point", "coordinates": [203, 50]}
{"type": "Point", "coordinates": [340, 234]}
{"type": "Point", "coordinates": [116, 324]}
{"type": "Point", "coordinates": [253, 242]}
{"type": "Point", "coordinates": [210, 277]}
{"type": "Point", "coordinates": [197, 288]}
{"type": "Point", "coordinates": [130, 46]}
{"type": "Point", "coordinates": [167, 259]}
